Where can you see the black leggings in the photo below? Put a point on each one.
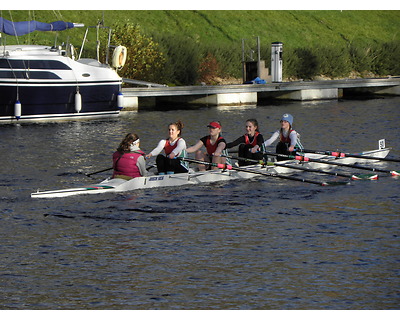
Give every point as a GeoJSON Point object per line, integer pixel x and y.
{"type": "Point", "coordinates": [244, 152]}
{"type": "Point", "coordinates": [282, 148]}
{"type": "Point", "coordinates": [165, 164]}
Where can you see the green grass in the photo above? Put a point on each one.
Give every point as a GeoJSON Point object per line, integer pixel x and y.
{"type": "Point", "coordinates": [293, 28]}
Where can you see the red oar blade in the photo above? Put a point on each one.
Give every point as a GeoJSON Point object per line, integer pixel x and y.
{"type": "Point", "coordinates": [368, 176]}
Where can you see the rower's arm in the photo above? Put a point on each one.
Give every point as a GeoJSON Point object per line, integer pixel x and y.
{"type": "Point", "coordinates": [271, 140]}
{"type": "Point", "coordinates": [220, 148]}
{"type": "Point", "coordinates": [293, 139]}
{"type": "Point", "coordinates": [141, 163]}
{"type": "Point", "coordinates": [196, 147]}
{"type": "Point", "coordinates": [157, 150]}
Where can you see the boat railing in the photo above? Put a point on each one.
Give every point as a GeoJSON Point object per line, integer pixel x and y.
{"type": "Point", "coordinates": [98, 27]}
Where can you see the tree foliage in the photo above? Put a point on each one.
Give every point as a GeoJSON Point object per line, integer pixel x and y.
{"type": "Point", "coordinates": [145, 61]}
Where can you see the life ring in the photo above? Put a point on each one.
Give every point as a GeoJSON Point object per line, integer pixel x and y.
{"type": "Point", "coordinates": [119, 57]}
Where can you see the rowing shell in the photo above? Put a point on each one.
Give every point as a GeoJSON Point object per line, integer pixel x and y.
{"type": "Point", "coordinates": [155, 181]}
{"type": "Point", "coordinates": [193, 178]}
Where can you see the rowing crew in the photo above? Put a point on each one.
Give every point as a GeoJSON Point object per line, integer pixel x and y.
{"type": "Point", "coordinates": [129, 160]}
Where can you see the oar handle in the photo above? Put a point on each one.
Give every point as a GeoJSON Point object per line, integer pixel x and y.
{"type": "Point", "coordinates": [218, 165]}
{"type": "Point", "coordinates": [244, 159]}
{"type": "Point", "coordinates": [296, 157]}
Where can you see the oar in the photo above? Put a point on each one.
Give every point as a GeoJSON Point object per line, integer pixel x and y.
{"type": "Point", "coordinates": [92, 173]}
{"type": "Point", "coordinates": [339, 154]}
{"type": "Point", "coordinates": [229, 167]}
{"type": "Point", "coordinates": [306, 159]}
{"type": "Point", "coordinates": [218, 165]}
{"type": "Point", "coordinates": [369, 176]}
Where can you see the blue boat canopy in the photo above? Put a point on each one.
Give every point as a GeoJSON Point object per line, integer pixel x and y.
{"type": "Point", "coordinates": [24, 27]}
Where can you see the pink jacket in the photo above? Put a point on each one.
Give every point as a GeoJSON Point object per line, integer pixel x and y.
{"type": "Point", "coordinates": [126, 164]}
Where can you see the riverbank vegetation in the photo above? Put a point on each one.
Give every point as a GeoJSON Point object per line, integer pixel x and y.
{"type": "Point", "coordinates": [189, 47]}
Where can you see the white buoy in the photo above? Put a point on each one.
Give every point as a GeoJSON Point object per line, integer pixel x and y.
{"type": "Point", "coordinates": [120, 100]}
{"type": "Point", "coordinates": [78, 102]}
{"type": "Point", "coordinates": [17, 110]}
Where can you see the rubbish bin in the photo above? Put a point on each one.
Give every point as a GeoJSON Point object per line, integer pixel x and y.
{"type": "Point", "coordinates": [276, 61]}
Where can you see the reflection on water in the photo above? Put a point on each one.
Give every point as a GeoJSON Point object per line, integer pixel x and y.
{"type": "Point", "coordinates": [259, 244]}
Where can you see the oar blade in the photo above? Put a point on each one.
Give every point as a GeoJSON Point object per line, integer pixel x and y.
{"type": "Point", "coordinates": [335, 183]}
{"type": "Point", "coordinates": [367, 176]}
{"type": "Point", "coordinates": [395, 173]}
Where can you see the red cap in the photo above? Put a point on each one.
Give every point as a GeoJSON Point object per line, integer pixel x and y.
{"type": "Point", "coordinates": [214, 125]}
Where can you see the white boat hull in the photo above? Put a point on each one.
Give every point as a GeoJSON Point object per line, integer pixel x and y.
{"type": "Point", "coordinates": [201, 177]}
{"type": "Point", "coordinates": [45, 83]}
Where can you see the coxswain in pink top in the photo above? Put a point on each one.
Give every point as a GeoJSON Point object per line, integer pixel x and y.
{"type": "Point", "coordinates": [126, 164]}
{"type": "Point", "coordinates": [128, 160]}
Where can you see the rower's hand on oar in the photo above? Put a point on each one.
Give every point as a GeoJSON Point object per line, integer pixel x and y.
{"type": "Point", "coordinates": [255, 149]}
{"type": "Point", "coordinates": [148, 156]}
{"type": "Point", "coordinates": [172, 155]}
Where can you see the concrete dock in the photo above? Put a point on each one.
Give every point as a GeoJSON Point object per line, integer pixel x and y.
{"type": "Point", "coordinates": [163, 97]}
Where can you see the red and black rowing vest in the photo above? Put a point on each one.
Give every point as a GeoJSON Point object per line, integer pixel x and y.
{"type": "Point", "coordinates": [283, 139]}
{"type": "Point", "coordinates": [168, 148]}
{"type": "Point", "coordinates": [212, 147]}
{"type": "Point", "coordinates": [247, 139]}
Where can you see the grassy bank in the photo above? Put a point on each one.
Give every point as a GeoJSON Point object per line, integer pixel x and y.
{"type": "Point", "coordinates": [329, 43]}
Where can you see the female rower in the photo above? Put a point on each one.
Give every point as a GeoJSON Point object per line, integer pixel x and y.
{"type": "Point", "coordinates": [214, 144]}
{"type": "Point", "coordinates": [174, 146]}
{"type": "Point", "coordinates": [249, 144]}
{"type": "Point", "coordinates": [288, 138]}
{"type": "Point", "coordinates": [128, 160]}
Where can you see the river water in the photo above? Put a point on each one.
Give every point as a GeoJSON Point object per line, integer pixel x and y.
{"type": "Point", "coordinates": [260, 244]}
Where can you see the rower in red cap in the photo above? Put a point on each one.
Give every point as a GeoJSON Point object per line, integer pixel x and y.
{"type": "Point", "coordinates": [215, 147]}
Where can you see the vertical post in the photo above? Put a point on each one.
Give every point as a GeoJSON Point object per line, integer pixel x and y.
{"type": "Point", "coordinates": [243, 63]}
{"type": "Point", "coordinates": [276, 61]}
{"type": "Point", "coordinates": [108, 45]}
{"type": "Point", "coordinates": [258, 58]}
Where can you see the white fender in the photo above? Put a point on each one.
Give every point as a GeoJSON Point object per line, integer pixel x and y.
{"type": "Point", "coordinates": [17, 110]}
{"type": "Point", "coordinates": [120, 100]}
{"type": "Point", "coordinates": [72, 51]}
{"type": "Point", "coordinates": [78, 102]}
{"type": "Point", "coordinates": [119, 57]}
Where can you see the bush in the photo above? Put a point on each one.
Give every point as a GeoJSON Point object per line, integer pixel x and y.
{"type": "Point", "coordinates": [209, 70]}
{"type": "Point", "coordinates": [385, 59]}
{"type": "Point", "coordinates": [182, 59]}
{"type": "Point", "coordinates": [333, 61]}
{"type": "Point", "coordinates": [229, 58]}
{"type": "Point", "coordinates": [179, 60]}
{"type": "Point", "coordinates": [145, 61]}
{"type": "Point", "coordinates": [300, 63]}
{"type": "Point", "coordinates": [360, 57]}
